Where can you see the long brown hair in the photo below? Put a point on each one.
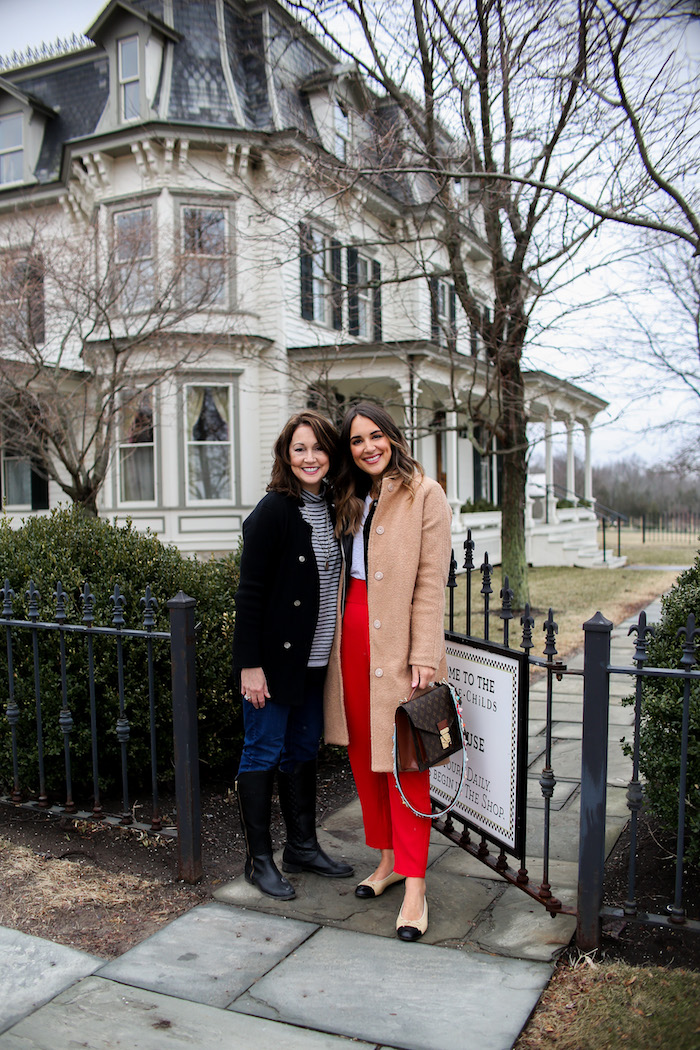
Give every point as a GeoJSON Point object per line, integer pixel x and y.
{"type": "Point", "coordinates": [282, 479]}
{"type": "Point", "coordinates": [352, 484]}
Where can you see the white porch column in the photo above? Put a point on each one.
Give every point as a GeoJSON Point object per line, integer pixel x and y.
{"type": "Point", "coordinates": [409, 389]}
{"type": "Point", "coordinates": [452, 464]}
{"type": "Point", "coordinates": [570, 461]}
{"type": "Point", "coordinates": [551, 499]}
{"type": "Point", "coordinates": [588, 468]}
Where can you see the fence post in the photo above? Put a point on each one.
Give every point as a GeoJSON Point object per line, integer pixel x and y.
{"type": "Point", "coordinates": [594, 769]}
{"type": "Point", "coordinates": [187, 799]}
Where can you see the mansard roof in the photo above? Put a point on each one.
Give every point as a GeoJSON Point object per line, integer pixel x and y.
{"type": "Point", "coordinates": [238, 65]}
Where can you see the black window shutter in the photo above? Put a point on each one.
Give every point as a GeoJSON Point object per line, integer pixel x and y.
{"type": "Point", "coordinates": [336, 285]}
{"type": "Point", "coordinates": [377, 300]}
{"type": "Point", "coordinates": [434, 322]}
{"type": "Point", "coordinates": [40, 490]}
{"type": "Point", "coordinates": [476, 459]}
{"type": "Point", "coordinates": [487, 335]}
{"type": "Point", "coordinates": [452, 341]}
{"type": "Point", "coordinates": [353, 313]}
{"type": "Point", "coordinates": [306, 272]}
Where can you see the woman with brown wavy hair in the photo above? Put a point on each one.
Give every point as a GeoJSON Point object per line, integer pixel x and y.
{"type": "Point", "coordinates": [394, 526]}
{"type": "Point", "coordinates": [285, 619]}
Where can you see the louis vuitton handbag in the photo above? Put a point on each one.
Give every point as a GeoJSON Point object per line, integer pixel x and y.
{"type": "Point", "coordinates": [427, 730]}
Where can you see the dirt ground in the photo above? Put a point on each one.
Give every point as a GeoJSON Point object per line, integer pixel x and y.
{"type": "Point", "coordinates": [102, 890]}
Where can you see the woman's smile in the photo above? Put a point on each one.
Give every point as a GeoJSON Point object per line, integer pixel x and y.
{"type": "Point", "coordinates": [308, 462]}
{"type": "Point", "coordinates": [370, 447]}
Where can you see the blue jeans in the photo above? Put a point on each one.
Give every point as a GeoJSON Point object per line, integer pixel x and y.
{"type": "Point", "coordinates": [281, 735]}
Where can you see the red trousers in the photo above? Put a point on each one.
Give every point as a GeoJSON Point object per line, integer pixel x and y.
{"type": "Point", "coordinates": [389, 824]}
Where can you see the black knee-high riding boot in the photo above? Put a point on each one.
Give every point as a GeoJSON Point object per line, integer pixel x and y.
{"type": "Point", "coordinates": [255, 804]}
{"type": "Point", "coordinates": [302, 852]}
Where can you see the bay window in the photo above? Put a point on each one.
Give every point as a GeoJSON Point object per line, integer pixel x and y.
{"type": "Point", "coordinates": [209, 443]}
{"type": "Point", "coordinates": [204, 256]}
{"type": "Point", "coordinates": [22, 316]}
{"type": "Point", "coordinates": [134, 259]}
{"type": "Point", "coordinates": [24, 486]}
{"type": "Point", "coordinates": [137, 448]}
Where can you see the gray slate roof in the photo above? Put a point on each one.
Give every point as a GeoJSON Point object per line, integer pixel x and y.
{"type": "Point", "coordinates": [77, 85]}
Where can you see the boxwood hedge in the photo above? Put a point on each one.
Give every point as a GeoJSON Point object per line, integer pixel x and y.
{"type": "Point", "coordinates": [662, 712]}
{"type": "Point", "coordinates": [74, 548]}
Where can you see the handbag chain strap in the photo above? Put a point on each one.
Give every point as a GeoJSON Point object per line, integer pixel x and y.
{"type": "Point", "coordinates": [454, 801]}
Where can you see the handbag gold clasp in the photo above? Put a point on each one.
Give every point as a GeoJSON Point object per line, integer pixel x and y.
{"type": "Point", "coordinates": [445, 737]}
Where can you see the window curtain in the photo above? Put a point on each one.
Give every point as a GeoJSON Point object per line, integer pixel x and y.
{"type": "Point", "coordinates": [195, 401]}
{"type": "Point", "coordinates": [137, 454]}
{"type": "Point", "coordinates": [137, 473]}
{"type": "Point", "coordinates": [209, 450]}
{"type": "Point", "coordinates": [220, 397]}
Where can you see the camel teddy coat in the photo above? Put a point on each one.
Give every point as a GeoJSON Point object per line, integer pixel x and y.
{"type": "Point", "coordinates": [408, 559]}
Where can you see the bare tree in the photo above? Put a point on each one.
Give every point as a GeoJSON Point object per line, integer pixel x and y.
{"type": "Point", "coordinates": [659, 325]}
{"type": "Point", "coordinates": [527, 109]}
{"type": "Point", "coordinates": [89, 328]}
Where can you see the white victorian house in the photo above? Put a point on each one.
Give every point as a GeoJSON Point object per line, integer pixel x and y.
{"type": "Point", "coordinates": [182, 245]}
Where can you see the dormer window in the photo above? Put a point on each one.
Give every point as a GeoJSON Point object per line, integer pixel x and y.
{"type": "Point", "coordinates": [136, 43]}
{"type": "Point", "coordinates": [129, 80]}
{"type": "Point", "coordinates": [11, 148]}
{"type": "Point", "coordinates": [343, 131]}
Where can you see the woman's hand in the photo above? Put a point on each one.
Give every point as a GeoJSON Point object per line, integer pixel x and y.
{"type": "Point", "coordinates": [422, 677]}
{"type": "Point", "coordinates": [254, 686]}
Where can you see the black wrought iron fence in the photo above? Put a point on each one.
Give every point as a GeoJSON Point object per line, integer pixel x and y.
{"type": "Point", "coordinates": [478, 625]}
{"type": "Point", "coordinates": [58, 678]}
{"type": "Point", "coordinates": [596, 673]}
{"type": "Point", "coordinates": [668, 525]}
{"type": "Point", "coordinates": [598, 669]}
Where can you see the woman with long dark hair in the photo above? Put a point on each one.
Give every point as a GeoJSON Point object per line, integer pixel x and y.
{"type": "Point", "coordinates": [394, 525]}
{"type": "Point", "coordinates": [285, 620]}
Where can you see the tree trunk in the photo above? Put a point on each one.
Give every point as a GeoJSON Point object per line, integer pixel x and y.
{"type": "Point", "coordinates": [514, 451]}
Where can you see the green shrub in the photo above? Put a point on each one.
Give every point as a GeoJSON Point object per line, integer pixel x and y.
{"type": "Point", "coordinates": [662, 714]}
{"type": "Point", "coordinates": [477, 506]}
{"type": "Point", "coordinates": [71, 547]}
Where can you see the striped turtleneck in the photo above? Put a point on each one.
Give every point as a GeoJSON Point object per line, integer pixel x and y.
{"type": "Point", "coordinates": [314, 511]}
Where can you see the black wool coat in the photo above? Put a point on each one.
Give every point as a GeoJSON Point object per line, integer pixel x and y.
{"type": "Point", "coordinates": [277, 601]}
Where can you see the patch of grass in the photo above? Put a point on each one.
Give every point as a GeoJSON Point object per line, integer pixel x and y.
{"type": "Point", "coordinates": [610, 1006]}
{"type": "Point", "coordinates": [41, 884]}
{"type": "Point", "coordinates": [658, 549]}
{"type": "Point", "coordinates": [574, 595]}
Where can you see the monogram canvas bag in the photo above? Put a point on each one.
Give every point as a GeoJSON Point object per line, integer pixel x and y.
{"type": "Point", "coordinates": [427, 730]}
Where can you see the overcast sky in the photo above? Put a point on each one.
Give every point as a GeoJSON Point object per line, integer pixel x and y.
{"type": "Point", "coordinates": [26, 23]}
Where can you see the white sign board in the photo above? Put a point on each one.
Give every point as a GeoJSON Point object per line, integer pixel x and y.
{"type": "Point", "coordinates": [491, 684]}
